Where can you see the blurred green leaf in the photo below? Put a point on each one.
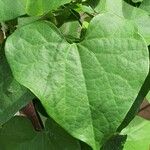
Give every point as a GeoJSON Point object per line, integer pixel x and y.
{"type": "Point", "coordinates": [11, 9]}
{"type": "Point", "coordinates": [18, 134]}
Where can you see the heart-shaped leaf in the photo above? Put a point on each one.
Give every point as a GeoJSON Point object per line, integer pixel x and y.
{"type": "Point", "coordinates": [88, 87]}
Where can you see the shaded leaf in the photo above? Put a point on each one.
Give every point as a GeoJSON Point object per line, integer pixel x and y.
{"type": "Point", "coordinates": [13, 96]}
{"type": "Point", "coordinates": [60, 138]}
{"type": "Point", "coordinates": [116, 142]}
{"type": "Point", "coordinates": [18, 134]}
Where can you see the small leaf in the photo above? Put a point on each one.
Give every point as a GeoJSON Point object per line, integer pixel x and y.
{"type": "Point", "coordinates": [11, 9]}
{"type": "Point", "coordinates": [71, 30]}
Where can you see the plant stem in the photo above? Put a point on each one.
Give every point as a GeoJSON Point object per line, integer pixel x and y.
{"type": "Point", "coordinates": [30, 112]}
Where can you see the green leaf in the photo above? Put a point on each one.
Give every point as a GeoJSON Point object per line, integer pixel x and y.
{"type": "Point", "coordinates": [39, 7]}
{"type": "Point", "coordinates": [113, 6]}
{"type": "Point", "coordinates": [10, 10]}
{"type": "Point", "coordinates": [138, 133]}
{"type": "Point", "coordinates": [13, 96]}
{"type": "Point", "coordinates": [27, 20]}
{"type": "Point", "coordinates": [140, 18]}
{"type": "Point", "coordinates": [146, 6]}
{"type": "Point", "coordinates": [18, 134]}
{"type": "Point", "coordinates": [83, 8]}
{"type": "Point", "coordinates": [137, 103]}
{"type": "Point", "coordinates": [88, 87]}
{"type": "Point", "coordinates": [71, 30]}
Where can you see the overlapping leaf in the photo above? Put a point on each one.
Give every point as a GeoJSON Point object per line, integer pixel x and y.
{"type": "Point", "coordinates": [13, 96]}
{"type": "Point", "coordinates": [88, 87]}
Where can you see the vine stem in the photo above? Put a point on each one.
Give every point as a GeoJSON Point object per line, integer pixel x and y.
{"type": "Point", "coordinates": [30, 112]}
